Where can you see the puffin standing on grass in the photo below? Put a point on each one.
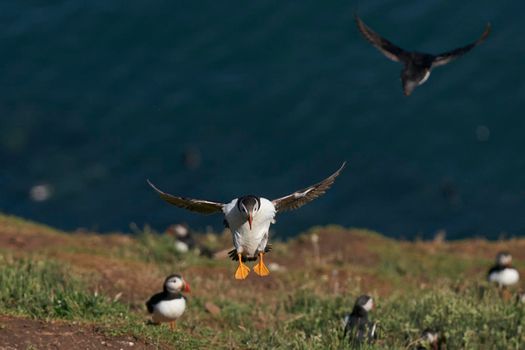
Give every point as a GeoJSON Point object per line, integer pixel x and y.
{"type": "Point", "coordinates": [417, 65]}
{"type": "Point", "coordinates": [184, 241]}
{"type": "Point", "coordinates": [357, 326]}
{"type": "Point", "coordinates": [249, 219]}
{"type": "Point", "coordinates": [431, 340]}
{"type": "Point", "coordinates": [503, 273]}
{"type": "Point", "coordinates": [170, 304]}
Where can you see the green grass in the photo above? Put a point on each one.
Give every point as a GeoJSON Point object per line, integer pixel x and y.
{"type": "Point", "coordinates": [44, 289]}
{"type": "Point", "coordinates": [474, 318]}
{"type": "Point", "coordinates": [300, 310]}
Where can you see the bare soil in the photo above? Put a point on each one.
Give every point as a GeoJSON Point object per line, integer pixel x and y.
{"type": "Point", "coordinates": [22, 333]}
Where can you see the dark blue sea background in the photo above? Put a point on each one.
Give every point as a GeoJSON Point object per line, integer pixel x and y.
{"type": "Point", "coordinates": [214, 99]}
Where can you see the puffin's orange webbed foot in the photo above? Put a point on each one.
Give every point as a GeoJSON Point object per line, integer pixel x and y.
{"type": "Point", "coordinates": [260, 268]}
{"type": "Point", "coordinates": [242, 269]}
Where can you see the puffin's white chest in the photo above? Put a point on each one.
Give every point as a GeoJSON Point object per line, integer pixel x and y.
{"type": "Point", "coordinates": [244, 237]}
{"type": "Point", "coordinates": [168, 310]}
{"type": "Point", "coordinates": [505, 277]}
{"type": "Point", "coordinates": [181, 247]}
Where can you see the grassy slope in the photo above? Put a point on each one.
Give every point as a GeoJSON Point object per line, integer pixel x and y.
{"type": "Point", "coordinates": [104, 280]}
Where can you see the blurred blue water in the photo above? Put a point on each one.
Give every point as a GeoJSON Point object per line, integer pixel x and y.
{"type": "Point", "coordinates": [216, 99]}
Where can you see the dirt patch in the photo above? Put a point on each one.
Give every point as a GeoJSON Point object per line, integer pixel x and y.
{"type": "Point", "coordinates": [23, 333]}
{"type": "Point", "coordinates": [334, 246]}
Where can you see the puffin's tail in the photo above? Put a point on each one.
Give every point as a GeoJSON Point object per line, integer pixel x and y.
{"type": "Point", "coordinates": [233, 254]}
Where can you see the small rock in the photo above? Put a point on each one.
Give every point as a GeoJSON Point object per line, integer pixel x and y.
{"type": "Point", "coordinates": [117, 296]}
{"type": "Point", "coordinates": [212, 308]}
{"type": "Point", "coordinates": [274, 267]}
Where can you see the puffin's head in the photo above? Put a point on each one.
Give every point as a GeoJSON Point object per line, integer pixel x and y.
{"type": "Point", "coordinates": [248, 206]}
{"type": "Point", "coordinates": [176, 284]}
{"type": "Point", "coordinates": [504, 259]}
{"type": "Point", "coordinates": [364, 302]}
{"type": "Point", "coordinates": [178, 230]}
{"type": "Point", "coordinates": [430, 336]}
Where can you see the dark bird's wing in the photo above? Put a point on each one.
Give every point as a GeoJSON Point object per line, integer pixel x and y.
{"type": "Point", "coordinates": [196, 205]}
{"type": "Point", "coordinates": [388, 49]}
{"type": "Point", "coordinates": [155, 299]}
{"type": "Point", "coordinates": [449, 56]}
{"type": "Point", "coordinates": [301, 197]}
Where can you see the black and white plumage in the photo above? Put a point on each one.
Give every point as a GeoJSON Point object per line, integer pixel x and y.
{"type": "Point", "coordinates": [358, 328]}
{"type": "Point", "coordinates": [170, 304]}
{"type": "Point", "coordinates": [184, 241]}
{"type": "Point", "coordinates": [503, 273]}
{"type": "Point", "coordinates": [417, 65]}
{"type": "Point", "coordinates": [431, 340]}
{"type": "Point", "coordinates": [249, 218]}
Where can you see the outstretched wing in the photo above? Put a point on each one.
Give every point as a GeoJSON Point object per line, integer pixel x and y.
{"type": "Point", "coordinates": [196, 205]}
{"type": "Point", "coordinates": [300, 198]}
{"type": "Point", "coordinates": [388, 49]}
{"type": "Point", "coordinates": [449, 56]}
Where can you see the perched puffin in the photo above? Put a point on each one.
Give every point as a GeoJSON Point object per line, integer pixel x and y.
{"type": "Point", "coordinates": [249, 219]}
{"type": "Point", "coordinates": [417, 65]}
{"type": "Point", "coordinates": [184, 241]}
{"type": "Point", "coordinates": [170, 304]}
{"type": "Point", "coordinates": [503, 273]}
{"type": "Point", "coordinates": [431, 340]}
{"type": "Point", "coordinates": [357, 326]}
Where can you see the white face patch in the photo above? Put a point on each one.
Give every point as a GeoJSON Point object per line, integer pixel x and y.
{"type": "Point", "coordinates": [431, 337]}
{"type": "Point", "coordinates": [504, 259]}
{"type": "Point", "coordinates": [174, 284]}
{"type": "Point", "coordinates": [369, 305]}
{"type": "Point", "coordinates": [180, 230]}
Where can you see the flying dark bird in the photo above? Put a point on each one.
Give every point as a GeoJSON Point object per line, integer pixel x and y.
{"type": "Point", "coordinates": [358, 328]}
{"type": "Point", "coordinates": [249, 218]}
{"type": "Point", "coordinates": [170, 304]}
{"type": "Point", "coordinates": [417, 65]}
{"type": "Point", "coordinates": [503, 273]}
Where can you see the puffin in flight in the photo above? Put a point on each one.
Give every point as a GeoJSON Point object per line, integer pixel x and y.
{"type": "Point", "coordinates": [417, 65]}
{"type": "Point", "coordinates": [170, 304]}
{"type": "Point", "coordinates": [249, 218]}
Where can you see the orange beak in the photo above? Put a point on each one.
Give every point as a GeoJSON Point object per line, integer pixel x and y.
{"type": "Point", "coordinates": [186, 287]}
{"type": "Point", "coordinates": [250, 220]}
